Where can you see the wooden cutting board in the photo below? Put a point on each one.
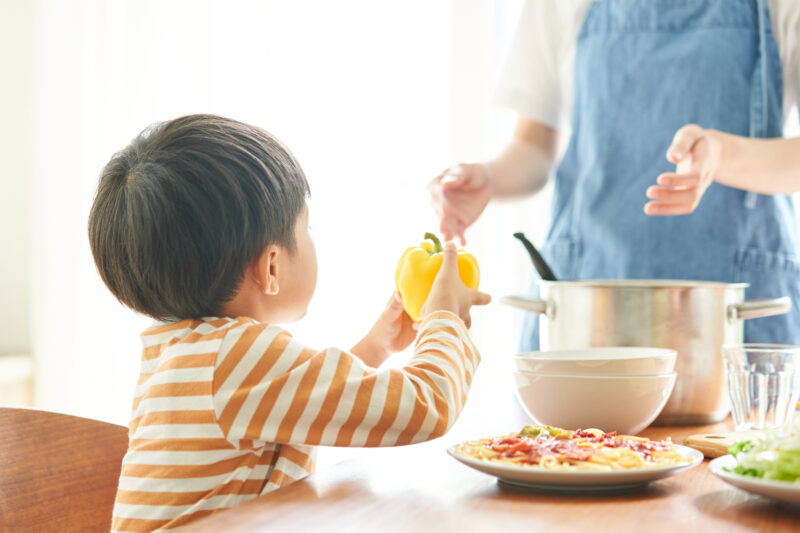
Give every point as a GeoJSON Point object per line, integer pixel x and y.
{"type": "Point", "coordinates": [714, 444]}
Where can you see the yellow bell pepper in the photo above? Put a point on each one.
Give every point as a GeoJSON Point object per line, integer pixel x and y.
{"type": "Point", "coordinates": [418, 267]}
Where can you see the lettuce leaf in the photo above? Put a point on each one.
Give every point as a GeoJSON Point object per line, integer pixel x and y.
{"type": "Point", "coordinates": [770, 454]}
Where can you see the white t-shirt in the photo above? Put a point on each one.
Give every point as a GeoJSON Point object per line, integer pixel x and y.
{"type": "Point", "coordinates": [538, 75]}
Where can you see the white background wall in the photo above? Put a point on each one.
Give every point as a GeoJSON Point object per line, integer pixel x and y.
{"type": "Point", "coordinates": [16, 54]}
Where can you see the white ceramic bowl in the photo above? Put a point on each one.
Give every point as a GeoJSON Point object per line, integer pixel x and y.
{"type": "Point", "coordinates": [625, 404]}
{"type": "Point", "coordinates": [624, 360]}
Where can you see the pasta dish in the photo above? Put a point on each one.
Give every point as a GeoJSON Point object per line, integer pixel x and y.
{"type": "Point", "coordinates": [560, 449]}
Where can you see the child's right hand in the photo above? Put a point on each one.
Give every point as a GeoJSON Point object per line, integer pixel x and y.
{"type": "Point", "coordinates": [449, 293]}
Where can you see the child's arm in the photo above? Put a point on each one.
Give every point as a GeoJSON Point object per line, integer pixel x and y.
{"type": "Point", "coordinates": [290, 394]}
{"type": "Point", "coordinates": [295, 395]}
{"type": "Point", "coordinates": [766, 166]}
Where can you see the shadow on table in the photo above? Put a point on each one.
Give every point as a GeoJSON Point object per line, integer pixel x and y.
{"type": "Point", "coordinates": [643, 492]}
{"type": "Point", "coordinates": [743, 509]}
{"type": "Point", "coordinates": [503, 491]}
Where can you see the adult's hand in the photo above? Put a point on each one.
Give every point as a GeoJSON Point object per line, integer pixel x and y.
{"type": "Point", "coordinates": [697, 154]}
{"type": "Point", "coordinates": [459, 195]}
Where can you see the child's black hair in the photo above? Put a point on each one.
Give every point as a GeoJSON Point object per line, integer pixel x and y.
{"type": "Point", "coordinates": [182, 211]}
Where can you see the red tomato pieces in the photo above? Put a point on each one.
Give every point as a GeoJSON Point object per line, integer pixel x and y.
{"type": "Point", "coordinates": [531, 449]}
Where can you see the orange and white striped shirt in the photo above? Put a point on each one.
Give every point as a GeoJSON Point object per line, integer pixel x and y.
{"type": "Point", "coordinates": [227, 409]}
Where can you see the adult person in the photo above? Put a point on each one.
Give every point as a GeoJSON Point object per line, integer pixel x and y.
{"type": "Point", "coordinates": [628, 74]}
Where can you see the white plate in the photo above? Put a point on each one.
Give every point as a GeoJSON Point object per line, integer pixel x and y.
{"type": "Point", "coordinates": [537, 478]}
{"type": "Point", "coordinates": [784, 491]}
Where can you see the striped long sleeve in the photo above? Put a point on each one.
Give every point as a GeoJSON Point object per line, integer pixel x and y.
{"type": "Point", "coordinates": [228, 409]}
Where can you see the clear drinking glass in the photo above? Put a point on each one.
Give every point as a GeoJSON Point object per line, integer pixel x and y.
{"type": "Point", "coordinates": [763, 383]}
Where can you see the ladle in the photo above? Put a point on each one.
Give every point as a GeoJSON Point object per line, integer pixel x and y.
{"type": "Point", "coordinates": [538, 261]}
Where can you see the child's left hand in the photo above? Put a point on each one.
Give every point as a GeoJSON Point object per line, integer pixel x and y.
{"type": "Point", "coordinates": [697, 154]}
{"type": "Point", "coordinates": [393, 332]}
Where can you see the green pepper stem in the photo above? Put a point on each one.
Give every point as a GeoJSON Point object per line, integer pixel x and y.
{"type": "Point", "coordinates": [437, 244]}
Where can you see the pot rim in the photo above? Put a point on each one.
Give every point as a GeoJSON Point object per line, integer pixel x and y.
{"type": "Point", "coordinates": [645, 284]}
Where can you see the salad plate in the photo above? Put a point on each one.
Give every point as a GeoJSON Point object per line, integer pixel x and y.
{"type": "Point", "coordinates": [548, 480]}
{"type": "Point", "coordinates": [785, 491]}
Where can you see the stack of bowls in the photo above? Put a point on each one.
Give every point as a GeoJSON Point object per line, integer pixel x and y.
{"type": "Point", "coordinates": [620, 389]}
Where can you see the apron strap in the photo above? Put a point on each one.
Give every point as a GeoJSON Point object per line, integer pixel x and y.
{"type": "Point", "coordinates": [758, 96]}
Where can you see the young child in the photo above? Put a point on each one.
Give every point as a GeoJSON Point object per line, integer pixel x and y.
{"type": "Point", "coordinates": [201, 223]}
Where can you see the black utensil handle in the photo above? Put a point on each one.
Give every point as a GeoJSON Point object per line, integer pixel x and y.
{"type": "Point", "coordinates": [538, 261]}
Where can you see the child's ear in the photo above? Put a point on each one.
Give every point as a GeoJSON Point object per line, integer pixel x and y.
{"type": "Point", "coordinates": [266, 270]}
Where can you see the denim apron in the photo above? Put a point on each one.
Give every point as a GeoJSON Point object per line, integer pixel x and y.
{"type": "Point", "coordinates": [643, 69]}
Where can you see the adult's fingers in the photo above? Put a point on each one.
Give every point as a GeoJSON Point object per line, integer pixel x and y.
{"type": "Point", "coordinates": [452, 231]}
{"type": "Point", "coordinates": [665, 209]}
{"type": "Point", "coordinates": [448, 222]}
{"type": "Point", "coordinates": [683, 141]}
{"type": "Point", "coordinates": [462, 178]}
{"type": "Point", "coordinates": [450, 227]}
{"type": "Point", "coordinates": [444, 229]}
{"type": "Point", "coordinates": [435, 185]}
{"type": "Point", "coordinates": [672, 179]}
{"type": "Point", "coordinates": [672, 196]}
{"type": "Point", "coordinates": [456, 233]}
{"type": "Point", "coordinates": [456, 177]}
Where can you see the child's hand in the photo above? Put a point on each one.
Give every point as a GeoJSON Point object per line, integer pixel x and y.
{"type": "Point", "coordinates": [698, 156]}
{"type": "Point", "coordinates": [393, 332]}
{"type": "Point", "coordinates": [449, 293]}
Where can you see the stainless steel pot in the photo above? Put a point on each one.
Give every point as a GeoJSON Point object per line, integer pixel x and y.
{"type": "Point", "coordinates": [694, 318]}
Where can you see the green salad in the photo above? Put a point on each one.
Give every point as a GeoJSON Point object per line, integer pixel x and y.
{"type": "Point", "coordinates": [769, 454]}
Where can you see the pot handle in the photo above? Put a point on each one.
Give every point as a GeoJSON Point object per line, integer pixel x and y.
{"type": "Point", "coordinates": [543, 307]}
{"type": "Point", "coordinates": [759, 308]}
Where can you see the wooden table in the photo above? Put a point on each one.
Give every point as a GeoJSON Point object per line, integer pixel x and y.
{"type": "Point", "coordinates": [420, 488]}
